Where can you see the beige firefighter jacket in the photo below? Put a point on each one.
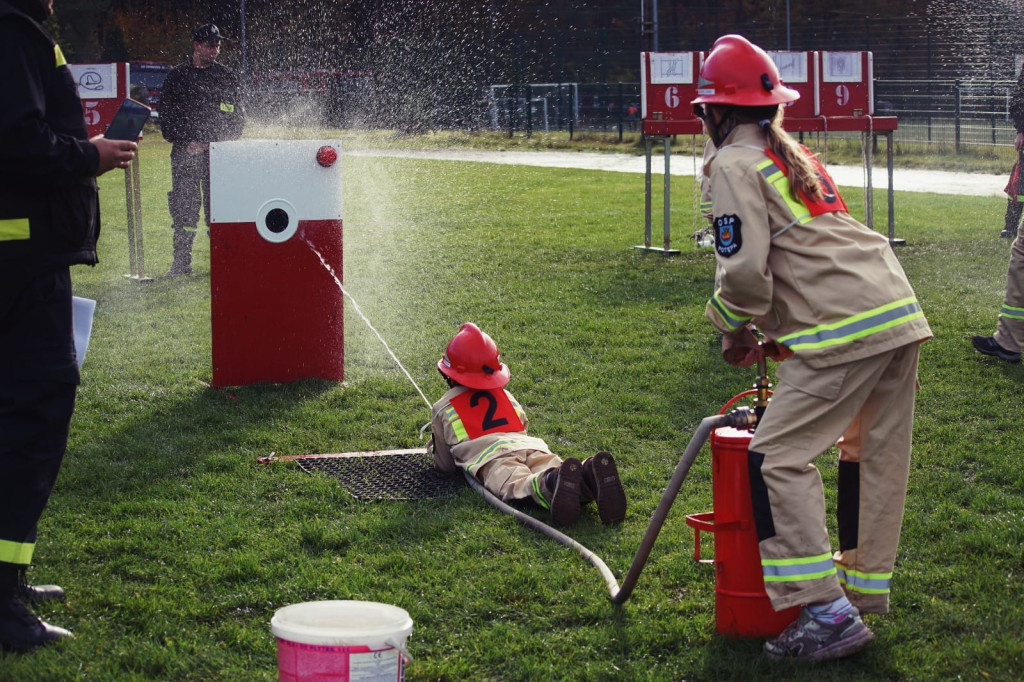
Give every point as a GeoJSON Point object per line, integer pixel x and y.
{"type": "Point", "coordinates": [452, 447]}
{"type": "Point", "coordinates": [827, 287]}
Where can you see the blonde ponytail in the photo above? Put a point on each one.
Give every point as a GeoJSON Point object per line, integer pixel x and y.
{"type": "Point", "coordinates": [801, 174]}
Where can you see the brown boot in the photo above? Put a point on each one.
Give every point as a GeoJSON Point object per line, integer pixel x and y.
{"type": "Point", "coordinates": [566, 486]}
{"type": "Point", "coordinates": [601, 480]}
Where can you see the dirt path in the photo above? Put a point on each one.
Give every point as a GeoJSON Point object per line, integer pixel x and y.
{"type": "Point", "coordinates": [904, 180]}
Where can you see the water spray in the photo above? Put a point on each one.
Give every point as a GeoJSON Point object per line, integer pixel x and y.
{"type": "Point", "coordinates": [742, 419]}
{"type": "Point", "coordinates": [355, 306]}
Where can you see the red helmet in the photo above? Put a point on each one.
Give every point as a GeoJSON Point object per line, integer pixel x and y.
{"type": "Point", "coordinates": [472, 359]}
{"type": "Point", "coordinates": [740, 73]}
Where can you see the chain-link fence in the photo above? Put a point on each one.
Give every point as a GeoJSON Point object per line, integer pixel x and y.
{"type": "Point", "coordinates": [934, 115]}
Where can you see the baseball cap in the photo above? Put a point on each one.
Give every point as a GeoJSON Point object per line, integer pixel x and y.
{"type": "Point", "coordinates": [207, 33]}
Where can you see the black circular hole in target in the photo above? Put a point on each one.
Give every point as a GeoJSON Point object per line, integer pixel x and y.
{"type": "Point", "coordinates": [276, 220]}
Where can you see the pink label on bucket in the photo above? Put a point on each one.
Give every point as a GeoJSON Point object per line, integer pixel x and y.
{"type": "Point", "coordinates": [298, 662]}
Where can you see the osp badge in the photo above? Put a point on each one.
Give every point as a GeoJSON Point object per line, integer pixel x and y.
{"type": "Point", "coordinates": [728, 238]}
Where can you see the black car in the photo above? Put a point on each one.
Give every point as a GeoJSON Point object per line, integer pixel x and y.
{"type": "Point", "coordinates": [147, 82]}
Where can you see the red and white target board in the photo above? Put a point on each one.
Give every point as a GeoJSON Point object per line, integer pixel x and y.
{"type": "Point", "coordinates": [276, 302]}
{"type": "Point", "coordinates": [846, 83]}
{"type": "Point", "coordinates": [102, 88]}
{"type": "Point", "coordinates": [669, 85]}
{"type": "Point", "coordinates": [798, 70]}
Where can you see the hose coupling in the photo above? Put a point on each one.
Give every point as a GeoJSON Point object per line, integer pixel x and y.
{"type": "Point", "coordinates": [741, 418]}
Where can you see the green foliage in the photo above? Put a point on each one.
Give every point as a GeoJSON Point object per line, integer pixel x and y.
{"type": "Point", "coordinates": [176, 546]}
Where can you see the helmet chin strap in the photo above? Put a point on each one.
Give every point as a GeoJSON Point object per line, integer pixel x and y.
{"type": "Point", "coordinates": [714, 130]}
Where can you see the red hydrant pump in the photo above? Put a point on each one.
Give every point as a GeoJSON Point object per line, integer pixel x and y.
{"type": "Point", "coordinates": [742, 607]}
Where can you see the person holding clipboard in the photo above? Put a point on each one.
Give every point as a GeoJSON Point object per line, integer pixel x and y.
{"type": "Point", "coordinates": [49, 220]}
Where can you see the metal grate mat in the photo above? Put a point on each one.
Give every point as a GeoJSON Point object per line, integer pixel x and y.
{"type": "Point", "coordinates": [375, 476]}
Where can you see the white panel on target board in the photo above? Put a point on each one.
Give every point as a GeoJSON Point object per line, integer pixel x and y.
{"type": "Point", "coordinates": [247, 174]}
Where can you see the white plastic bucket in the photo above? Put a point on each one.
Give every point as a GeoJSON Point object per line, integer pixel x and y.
{"type": "Point", "coordinates": [347, 641]}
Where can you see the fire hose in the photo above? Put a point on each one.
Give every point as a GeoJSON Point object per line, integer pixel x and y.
{"type": "Point", "coordinates": [742, 417]}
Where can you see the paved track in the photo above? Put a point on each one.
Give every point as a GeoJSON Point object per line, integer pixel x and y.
{"type": "Point", "coordinates": [905, 180]}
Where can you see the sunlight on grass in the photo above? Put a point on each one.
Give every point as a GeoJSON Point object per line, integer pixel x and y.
{"type": "Point", "coordinates": [176, 546]}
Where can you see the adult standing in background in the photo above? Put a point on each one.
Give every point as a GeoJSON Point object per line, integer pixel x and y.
{"type": "Point", "coordinates": [49, 220]}
{"type": "Point", "coordinates": [201, 103]}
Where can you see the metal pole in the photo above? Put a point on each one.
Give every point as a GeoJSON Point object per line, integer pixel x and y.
{"type": "Point", "coordinates": [647, 195]}
{"type": "Point", "coordinates": [243, 40]}
{"type": "Point", "coordinates": [667, 193]}
{"type": "Point", "coordinates": [129, 198]}
{"type": "Point", "coordinates": [869, 195]}
{"type": "Point", "coordinates": [893, 240]}
{"type": "Point", "coordinates": [140, 256]}
{"type": "Point", "coordinates": [788, 42]}
{"type": "Point", "coordinates": [654, 25]}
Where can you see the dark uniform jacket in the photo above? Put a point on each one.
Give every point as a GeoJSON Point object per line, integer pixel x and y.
{"type": "Point", "coordinates": [1017, 104]}
{"type": "Point", "coordinates": [201, 105]}
{"type": "Point", "coordinates": [49, 206]}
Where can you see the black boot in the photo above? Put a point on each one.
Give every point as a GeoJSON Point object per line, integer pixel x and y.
{"type": "Point", "coordinates": [182, 242]}
{"type": "Point", "coordinates": [601, 481]}
{"type": "Point", "coordinates": [22, 630]}
{"type": "Point", "coordinates": [38, 593]}
{"type": "Point", "coordinates": [565, 485]}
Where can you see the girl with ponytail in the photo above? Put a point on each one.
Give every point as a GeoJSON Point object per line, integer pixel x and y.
{"type": "Point", "coordinates": [833, 303]}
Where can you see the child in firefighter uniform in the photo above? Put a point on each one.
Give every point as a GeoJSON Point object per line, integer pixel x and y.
{"type": "Point", "coordinates": [1008, 339]}
{"type": "Point", "coordinates": [835, 304]}
{"type": "Point", "coordinates": [480, 427]}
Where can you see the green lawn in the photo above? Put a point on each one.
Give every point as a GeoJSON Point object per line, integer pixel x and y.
{"type": "Point", "coordinates": [176, 547]}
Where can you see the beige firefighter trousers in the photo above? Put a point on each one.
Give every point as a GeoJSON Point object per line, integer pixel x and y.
{"type": "Point", "coordinates": [511, 476]}
{"type": "Point", "coordinates": [866, 407]}
{"type": "Point", "coordinates": [1010, 328]}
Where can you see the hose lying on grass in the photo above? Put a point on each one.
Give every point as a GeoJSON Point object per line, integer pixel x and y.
{"type": "Point", "coordinates": [618, 595]}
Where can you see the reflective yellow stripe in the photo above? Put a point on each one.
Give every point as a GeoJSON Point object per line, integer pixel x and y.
{"type": "Point", "coordinates": [16, 552]}
{"type": "Point", "coordinates": [865, 583]}
{"type": "Point", "coordinates": [538, 495]}
{"type": "Point", "coordinates": [774, 175]}
{"type": "Point", "coordinates": [732, 320]}
{"type": "Point", "coordinates": [59, 56]}
{"type": "Point", "coordinates": [456, 423]}
{"type": "Point", "coordinates": [227, 108]}
{"type": "Point", "coordinates": [1012, 312]}
{"type": "Point", "coordinates": [795, 570]}
{"type": "Point", "coordinates": [15, 229]}
{"type": "Point", "coordinates": [856, 326]}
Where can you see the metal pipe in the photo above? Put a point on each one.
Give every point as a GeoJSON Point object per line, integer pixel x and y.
{"type": "Point", "coordinates": [620, 595]}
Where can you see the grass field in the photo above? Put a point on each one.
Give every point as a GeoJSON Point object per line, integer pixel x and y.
{"type": "Point", "coordinates": [176, 547]}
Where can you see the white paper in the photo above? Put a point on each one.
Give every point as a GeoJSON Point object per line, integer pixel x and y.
{"type": "Point", "coordinates": [82, 310]}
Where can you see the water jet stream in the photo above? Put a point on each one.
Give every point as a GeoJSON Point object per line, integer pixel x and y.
{"type": "Point", "coordinates": [355, 306]}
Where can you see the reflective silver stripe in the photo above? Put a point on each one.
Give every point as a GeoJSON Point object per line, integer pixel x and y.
{"type": "Point", "coordinates": [856, 326]}
{"type": "Point", "coordinates": [1011, 312]}
{"type": "Point", "coordinates": [486, 455]}
{"type": "Point", "coordinates": [793, 570]}
{"type": "Point", "coordinates": [769, 169]}
{"type": "Point", "coordinates": [865, 583]}
{"type": "Point", "coordinates": [783, 230]}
